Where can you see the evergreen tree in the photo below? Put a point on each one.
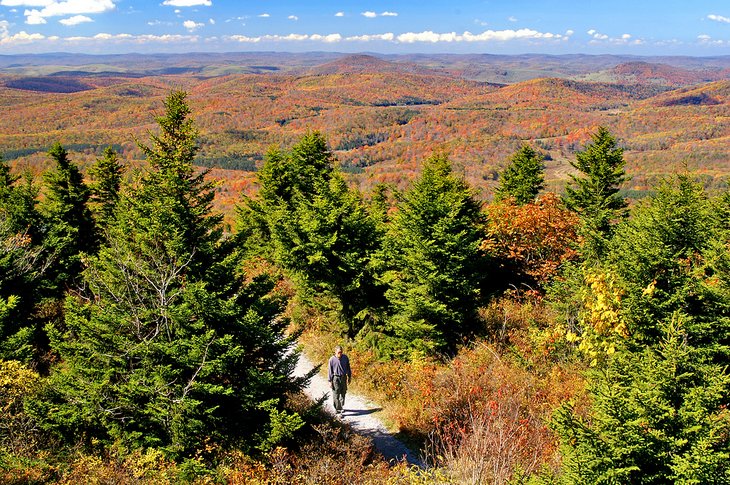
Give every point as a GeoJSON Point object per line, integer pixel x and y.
{"type": "Point", "coordinates": [317, 228]}
{"type": "Point", "coordinates": [435, 262]}
{"type": "Point", "coordinates": [523, 178]}
{"type": "Point", "coordinates": [594, 194]}
{"type": "Point", "coordinates": [658, 417]}
{"type": "Point", "coordinates": [69, 224]}
{"type": "Point", "coordinates": [173, 342]}
{"type": "Point", "coordinates": [671, 256]}
{"type": "Point", "coordinates": [106, 174]}
{"type": "Point", "coordinates": [21, 267]}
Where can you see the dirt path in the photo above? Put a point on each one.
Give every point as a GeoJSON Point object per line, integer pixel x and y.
{"type": "Point", "coordinates": [360, 414]}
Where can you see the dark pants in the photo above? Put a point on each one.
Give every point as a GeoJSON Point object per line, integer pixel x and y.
{"type": "Point", "coordinates": [339, 389]}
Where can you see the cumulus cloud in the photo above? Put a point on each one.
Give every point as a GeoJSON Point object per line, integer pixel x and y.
{"type": "Point", "coordinates": [411, 37]}
{"type": "Point", "coordinates": [20, 38]}
{"type": "Point", "coordinates": [55, 8]}
{"type": "Point", "coordinates": [373, 37]}
{"type": "Point", "coordinates": [75, 20]}
{"type": "Point", "coordinates": [265, 15]}
{"type": "Point", "coordinates": [486, 36]}
{"type": "Point", "coordinates": [192, 26]}
{"type": "Point", "coordinates": [211, 21]}
{"type": "Point", "coordinates": [389, 14]}
{"type": "Point", "coordinates": [719, 18]}
{"type": "Point", "coordinates": [293, 17]}
{"type": "Point", "coordinates": [598, 38]}
{"type": "Point", "coordinates": [512, 18]}
{"type": "Point", "coordinates": [340, 14]}
{"type": "Point", "coordinates": [370, 15]}
{"type": "Point", "coordinates": [188, 3]}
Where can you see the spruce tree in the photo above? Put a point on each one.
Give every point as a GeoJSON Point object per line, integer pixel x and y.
{"type": "Point", "coordinates": [593, 194]}
{"type": "Point", "coordinates": [69, 224]}
{"type": "Point", "coordinates": [435, 263]}
{"type": "Point", "coordinates": [22, 267]}
{"type": "Point", "coordinates": [658, 416]}
{"type": "Point", "coordinates": [317, 228]}
{"type": "Point", "coordinates": [106, 175]}
{"type": "Point", "coordinates": [523, 178]}
{"type": "Point", "coordinates": [672, 256]}
{"type": "Point", "coordinates": [173, 341]}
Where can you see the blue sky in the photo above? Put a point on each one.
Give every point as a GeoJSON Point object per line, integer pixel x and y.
{"type": "Point", "coordinates": [651, 27]}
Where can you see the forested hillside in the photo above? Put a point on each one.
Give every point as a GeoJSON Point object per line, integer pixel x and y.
{"type": "Point", "coordinates": [383, 115]}
{"type": "Point", "coordinates": [512, 332]}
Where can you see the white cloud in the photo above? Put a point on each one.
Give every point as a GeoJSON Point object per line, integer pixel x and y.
{"type": "Point", "coordinates": [410, 37]}
{"type": "Point", "coordinates": [331, 38]}
{"type": "Point", "coordinates": [4, 28]}
{"type": "Point", "coordinates": [25, 3]}
{"type": "Point", "coordinates": [368, 38]}
{"type": "Point", "coordinates": [591, 32]}
{"type": "Point", "coordinates": [34, 18]}
{"type": "Point", "coordinates": [512, 18]}
{"type": "Point", "coordinates": [192, 26]}
{"type": "Point", "coordinates": [569, 32]}
{"type": "Point", "coordinates": [293, 17]}
{"type": "Point", "coordinates": [188, 3]}
{"type": "Point", "coordinates": [486, 36]}
{"type": "Point", "coordinates": [211, 21]}
{"type": "Point", "coordinates": [66, 7]}
{"type": "Point", "coordinates": [340, 14]}
{"type": "Point", "coordinates": [265, 15]}
{"type": "Point", "coordinates": [75, 20]}
{"type": "Point", "coordinates": [20, 38]}
{"type": "Point", "coordinates": [626, 36]}
{"type": "Point", "coordinates": [719, 18]}
{"type": "Point", "coordinates": [372, 15]}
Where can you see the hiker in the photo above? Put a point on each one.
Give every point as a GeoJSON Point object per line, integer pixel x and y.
{"type": "Point", "coordinates": [339, 375]}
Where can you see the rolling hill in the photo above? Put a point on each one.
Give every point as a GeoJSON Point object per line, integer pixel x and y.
{"type": "Point", "coordinates": [381, 114]}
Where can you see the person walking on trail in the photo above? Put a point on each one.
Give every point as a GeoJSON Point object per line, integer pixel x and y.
{"type": "Point", "coordinates": [339, 375]}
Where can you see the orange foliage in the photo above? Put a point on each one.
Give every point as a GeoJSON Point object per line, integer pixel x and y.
{"type": "Point", "coordinates": [533, 239]}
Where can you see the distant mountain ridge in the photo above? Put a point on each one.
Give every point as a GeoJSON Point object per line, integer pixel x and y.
{"type": "Point", "coordinates": [672, 71]}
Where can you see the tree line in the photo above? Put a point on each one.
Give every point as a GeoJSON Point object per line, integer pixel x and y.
{"type": "Point", "coordinates": [150, 327]}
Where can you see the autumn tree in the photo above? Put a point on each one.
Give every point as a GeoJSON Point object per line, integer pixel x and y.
{"type": "Point", "coordinates": [531, 242]}
{"type": "Point", "coordinates": [435, 264]}
{"type": "Point", "coordinates": [593, 193]}
{"type": "Point", "coordinates": [523, 178]}
{"type": "Point", "coordinates": [172, 341]}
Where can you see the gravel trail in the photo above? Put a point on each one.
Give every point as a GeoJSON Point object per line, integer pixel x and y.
{"type": "Point", "coordinates": [360, 414]}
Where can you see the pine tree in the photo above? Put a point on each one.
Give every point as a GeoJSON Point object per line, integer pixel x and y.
{"type": "Point", "coordinates": [173, 342]}
{"type": "Point", "coordinates": [435, 262]}
{"type": "Point", "coordinates": [69, 224]}
{"type": "Point", "coordinates": [106, 174]}
{"type": "Point", "coordinates": [523, 178]}
{"type": "Point", "coordinates": [594, 194]}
